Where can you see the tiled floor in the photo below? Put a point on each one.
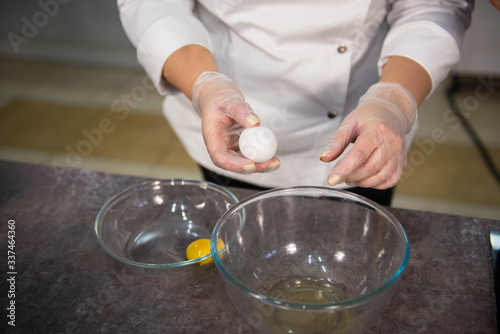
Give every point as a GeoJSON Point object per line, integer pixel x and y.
{"type": "Point", "coordinates": [110, 120]}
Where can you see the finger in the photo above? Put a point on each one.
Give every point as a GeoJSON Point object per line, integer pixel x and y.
{"type": "Point", "coordinates": [223, 155]}
{"type": "Point", "coordinates": [394, 179]}
{"type": "Point", "coordinates": [234, 162]}
{"type": "Point", "coordinates": [390, 174]}
{"type": "Point", "coordinates": [218, 147]}
{"type": "Point", "coordinates": [263, 167]}
{"type": "Point", "coordinates": [342, 138]}
{"type": "Point", "coordinates": [356, 157]}
{"type": "Point", "coordinates": [241, 112]}
{"type": "Point", "coordinates": [375, 180]}
{"type": "Point", "coordinates": [229, 161]}
{"type": "Point", "coordinates": [386, 177]}
{"type": "Point", "coordinates": [268, 166]}
{"type": "Point", "coordinates": [371, 167]}
{"type": "Point", "coordinates": [390, 150]}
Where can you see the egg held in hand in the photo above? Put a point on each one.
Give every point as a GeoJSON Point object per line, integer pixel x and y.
{"type": "Point", "coordinates": [258, 144]}
{"type": "Point", "coordinates": [201, 247]}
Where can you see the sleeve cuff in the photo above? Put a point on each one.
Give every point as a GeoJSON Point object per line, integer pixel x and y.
{"type": "Point", "coordinates": [163, 38]}
{"type": "Point", "coordinates": [426, 43]}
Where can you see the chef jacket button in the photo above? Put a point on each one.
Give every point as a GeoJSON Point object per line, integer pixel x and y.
{"type": "Point", "coordinates": [342, 49]}
{"type": "Point", "coordinates": [332, 114]}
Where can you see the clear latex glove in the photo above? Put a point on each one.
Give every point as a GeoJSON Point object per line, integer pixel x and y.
{"type": "Point", "coordinates": [378, 128]}
{"type": "Point", "coordinates": [225, 114]}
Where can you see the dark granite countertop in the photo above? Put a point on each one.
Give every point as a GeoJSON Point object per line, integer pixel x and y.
{"type": "Point", "coordinates": [65, 283]}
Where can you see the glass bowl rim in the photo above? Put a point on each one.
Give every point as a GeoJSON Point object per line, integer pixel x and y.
{"type": "Point", "coordinates": [349, 303]}
{"type": "Point", "coordinates": [144, 185]}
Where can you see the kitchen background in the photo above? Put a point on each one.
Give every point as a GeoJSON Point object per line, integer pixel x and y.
{"type": "Point", "coordinates": [73, 95]}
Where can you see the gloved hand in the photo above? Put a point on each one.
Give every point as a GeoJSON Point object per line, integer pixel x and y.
{"type": "Point", "coordinates": [225, 114]}
{"type": "Point", "coordinates": [377, 127]}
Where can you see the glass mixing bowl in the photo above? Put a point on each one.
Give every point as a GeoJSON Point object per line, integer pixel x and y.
{"type": "Point", "coordinates": [310, 260]}
{"type": "Point", "coordinates": [151, 225]}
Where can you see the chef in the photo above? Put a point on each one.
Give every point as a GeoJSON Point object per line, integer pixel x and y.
{"type": "Point", "coordinates": [338, 82]}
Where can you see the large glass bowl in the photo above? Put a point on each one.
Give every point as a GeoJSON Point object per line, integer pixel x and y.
{"type": "Point", "coordinates": [310, 260]}
{"type": "Point", "coordinates": [151, 225]}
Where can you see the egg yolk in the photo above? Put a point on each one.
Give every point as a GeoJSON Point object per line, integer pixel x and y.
{"type": "Point", "coordinates": [201, 247]}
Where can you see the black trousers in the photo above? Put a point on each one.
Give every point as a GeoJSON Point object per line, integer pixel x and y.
{"type": "Point", "coordinates": [382, 197]}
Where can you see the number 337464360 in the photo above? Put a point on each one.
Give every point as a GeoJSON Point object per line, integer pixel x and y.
{"type": "Point", "coordinates": [11, 236]}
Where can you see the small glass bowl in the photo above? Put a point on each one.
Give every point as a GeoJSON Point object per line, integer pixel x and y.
{"type": "Point", "coordinates": [310, 260]}
{"type": "Point", "coordinates": [151, 225]}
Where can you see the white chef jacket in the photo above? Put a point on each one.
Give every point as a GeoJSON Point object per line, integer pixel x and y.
{"type": "Point", "coordinates": [295, 62]}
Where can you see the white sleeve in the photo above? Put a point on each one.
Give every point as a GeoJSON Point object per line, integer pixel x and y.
{"type": "Point", "coordinates": [428, 32]}
{"type": "Point", "coordinates": [157, 28]}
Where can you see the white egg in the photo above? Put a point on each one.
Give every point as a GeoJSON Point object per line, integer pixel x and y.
{"type": "Point", "coordinates": [258, 144]}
